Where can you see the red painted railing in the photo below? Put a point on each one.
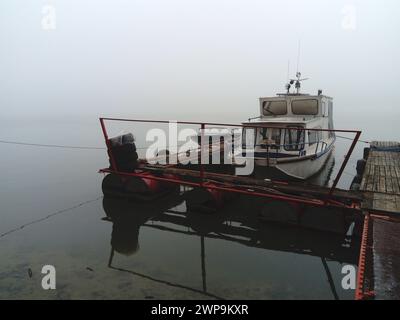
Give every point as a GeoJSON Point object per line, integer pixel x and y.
{"type": "Point", "coordinates": [202, 126]}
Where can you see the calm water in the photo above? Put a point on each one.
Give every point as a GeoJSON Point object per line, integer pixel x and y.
{"type": "Point", "coordinates": [52, 212]}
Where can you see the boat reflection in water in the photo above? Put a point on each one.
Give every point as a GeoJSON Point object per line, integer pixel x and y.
{"type": "Point", "coordinates": [242, 221]}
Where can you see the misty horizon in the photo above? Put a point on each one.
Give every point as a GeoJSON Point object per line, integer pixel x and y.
{"type": "Point", "coordinates": [199, 57]}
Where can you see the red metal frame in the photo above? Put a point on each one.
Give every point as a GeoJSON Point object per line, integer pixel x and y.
{"type": "Point", "coordinates": [361, 292]}
{"type": "Point", "coordinates": [108, 144]}
{"type": "Point", "coordinates": [345, 161]}
{"type": "Point", "coordinates": [202, 125]}
{"type": "Point", "coordinates": [223, 124]}
{"type": "Point", "coordinates": [361, 261]}
{"type": "Point", "coordinates": [314, 202]}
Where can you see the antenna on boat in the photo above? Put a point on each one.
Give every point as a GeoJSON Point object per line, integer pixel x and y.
{"type": "Point", "coordinates": [296, 82]}
{"type": "Point", "coordinates": [288, 69]}
{"type": "Point", "coordinates": [287, 85]}
{"type": "Point", "coordinates": [298, 57]}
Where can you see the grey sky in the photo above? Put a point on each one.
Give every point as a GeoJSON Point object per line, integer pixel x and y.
{"type": "Point", "coordinates": [149, 57]}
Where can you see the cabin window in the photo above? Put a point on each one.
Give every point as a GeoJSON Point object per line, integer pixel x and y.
{"type": "Point", "coordinates": [305, 107]}
{"type": "Point", "coordinates": [274, 108]}
{"type": "Point", "coordinates": [294, 139]}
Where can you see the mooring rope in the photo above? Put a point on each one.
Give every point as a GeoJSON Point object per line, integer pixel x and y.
{"type": "Point", "coordinates": [49, 216]}
{"type": "Point", "coordinates": [58, 145]}
{"type": "Point", "coordinates": [347, 138]}
{"type": "Point", "coordinates": [51, 145]}
{"type": "Point", "coordinates": [67, 146]}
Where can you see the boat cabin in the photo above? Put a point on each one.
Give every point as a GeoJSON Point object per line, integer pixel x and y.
{"type": "Point", "coordinates": [284, 115]}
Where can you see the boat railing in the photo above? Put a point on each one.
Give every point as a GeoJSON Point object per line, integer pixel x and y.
{"type": "Point", "coordinates": [301, 152]}
{"type": "Point", "coordinates": [323, 144]}
{"type": "Point", "coordinates": [203, 148]}
{"type": "Point", "coordinates": [320, 146]}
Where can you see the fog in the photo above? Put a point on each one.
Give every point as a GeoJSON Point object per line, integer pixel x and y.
{"type": "Point", "coordinates": [196, 59]}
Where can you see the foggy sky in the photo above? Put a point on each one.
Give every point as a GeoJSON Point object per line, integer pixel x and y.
{"type": "Point", "coordinates": [193, 57]}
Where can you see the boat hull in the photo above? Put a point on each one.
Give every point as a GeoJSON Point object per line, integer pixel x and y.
{"type": "Point", "coordinates": [300, 168]}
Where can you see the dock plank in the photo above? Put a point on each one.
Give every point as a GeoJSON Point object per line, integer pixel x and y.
{"type": "Point", "coordinates": [370, 178]}
{"type": "Point", "coordinates": [380, 182]}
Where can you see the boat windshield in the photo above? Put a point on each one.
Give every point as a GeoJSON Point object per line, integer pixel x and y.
{"type": "Point", "coordinates": [294, 139]}
{"type": "Point", "coordinates": [270, 137]}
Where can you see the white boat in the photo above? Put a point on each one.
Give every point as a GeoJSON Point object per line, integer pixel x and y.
{"type": "Point", "coordinates": [288, 137]}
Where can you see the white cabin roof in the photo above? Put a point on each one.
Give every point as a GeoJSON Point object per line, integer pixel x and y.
{"type": "Point", "coordinates": [280, 120]}
{"type": "Point", "coordinates": [281, 96]}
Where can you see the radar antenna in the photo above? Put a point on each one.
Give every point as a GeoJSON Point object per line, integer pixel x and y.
{"type": "Point", "coordinates": [296, 82]}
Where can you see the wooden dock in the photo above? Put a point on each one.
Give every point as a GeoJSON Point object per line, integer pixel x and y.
{"type": "Point", "coordinates": [381, 179]}
{"type": "Point", "coordinates": [379, 262]}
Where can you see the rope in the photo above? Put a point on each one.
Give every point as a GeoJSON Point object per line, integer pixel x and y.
{"type": "Point", "coordinates": [49, 216]}
{"type": "Point", "coordinates": [67, 146]}
{"type": "Point", "coordinates": [347, 138]}
{"type": "Point", "coordinates": [57, 145]}
{"type": "Point", "coordinates": [51, 145]}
